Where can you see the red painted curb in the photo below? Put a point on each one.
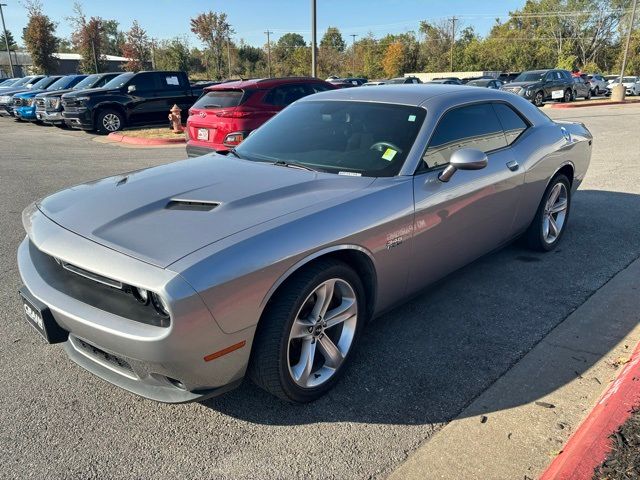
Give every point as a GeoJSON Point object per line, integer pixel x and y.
{"type": "Point", "coordinates": [581, 105]}
{"type": "Point", "coordinates": [119, 137]}
{"type": "Point", "coordinates": [588, 446]}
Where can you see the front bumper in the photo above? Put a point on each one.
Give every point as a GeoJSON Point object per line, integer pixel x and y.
{"type": "Point", "coordinates": [78, 119]}
{"type": "Point", "coordinates": [25, 113]}
{"type": "Point", "coordinates": [160, 363]}
{"type": "Point", "coordinates": [49, 117]}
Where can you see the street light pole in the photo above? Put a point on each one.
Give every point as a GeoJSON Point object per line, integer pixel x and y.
{"type": "Point", "coordinates": [314, 60]}
{"type": "Point", "coordinates": [6, 39]}
{"type": "Point", "coordinates": [353, 53]}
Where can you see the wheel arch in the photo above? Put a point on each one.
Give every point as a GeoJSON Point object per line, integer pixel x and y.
{"type": "Point", "coordinates": [357, 257]}
{"type": "Point", "coordinates": [109, 106]}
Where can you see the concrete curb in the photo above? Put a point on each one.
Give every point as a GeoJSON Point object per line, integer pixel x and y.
{"type": "Point", "coordinates": [581, 105]}
{"type": "Point", "coordinates": [588, 446]}
{"type": "Point", "coordinates": [123, 138]}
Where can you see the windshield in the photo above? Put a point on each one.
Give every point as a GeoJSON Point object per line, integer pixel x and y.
{"type": "Point", "coordinates": [119, 81]}
{"type": "Point", "coordinates": [395, 80]}
{"type": "Point", "coordinates": [9, 82]}
{"type": "Point", "coordinates": [23, 81]}
{"type": "Point", "coordinates": [479, 83]}
{"type": "Point", "coordinates": [343, 137]}
{"type": "Point", "coordinates": [44, 83]}
{"type": "Point", "coordinates": [220, 99]}
{"type": "Point", "coordinates": [60, 84]}
{"type": "Point", "coordinates": [625, 80]}
{"type": "Point", "coordinates": [530, 77]}
{"type": "Point", "coordinates": [88, 82]}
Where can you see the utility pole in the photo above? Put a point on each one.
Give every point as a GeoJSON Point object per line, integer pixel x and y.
{"type": "Point", "coordinates": [229, 56]}
{"type": "Point", "coordinates": [6, 39]}
{"type": "Point", "coordinates": [268, 52]}
{"type": "Point", "coordinates": [626, 48]}
{"type": "Point", "coordinates": [453, 21]}
{"type": "Point", "coordinates": [353, 54]}
{"type": "Point", "coordinates": [95, 58]}
{"type": "Point", "coordinates": [314, 60]}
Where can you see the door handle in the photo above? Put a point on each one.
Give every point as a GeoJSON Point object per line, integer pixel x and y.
{"type": "Point", "coordinates": [513, 165]}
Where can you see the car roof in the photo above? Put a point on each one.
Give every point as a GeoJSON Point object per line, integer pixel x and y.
{"type": "Point", "coordinates": [263, 83]}
{"type": "Point", "coordinates": [403, 94]}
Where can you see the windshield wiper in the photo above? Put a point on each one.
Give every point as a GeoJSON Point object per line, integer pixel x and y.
{"type": "Point", "coordinates": [233, 152]}
{"type": "Point", "coordinates": [290, 164]}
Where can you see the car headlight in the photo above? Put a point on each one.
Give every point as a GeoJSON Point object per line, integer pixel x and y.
{"type": "Point", "coordinates": [5, 99]}
{"type": "Point", "coordinates": [528, 92]}
{"type": "Point", "coordinates": [159, 305]}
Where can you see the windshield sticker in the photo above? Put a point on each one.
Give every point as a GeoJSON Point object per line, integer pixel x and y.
{"type": "Point", "coordinates": [388, 154]}
{"type": "Point", "coordinates": [412, 118]}
{"type": "Point", "coordinates": [350, 174]}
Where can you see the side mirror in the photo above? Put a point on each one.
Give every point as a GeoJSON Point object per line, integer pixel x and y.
{"type": "Point", "coordinates": [464, 159]}
{"type": "Point", "coordinates": [131, 88]}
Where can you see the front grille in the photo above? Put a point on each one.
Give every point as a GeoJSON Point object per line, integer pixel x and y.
{"type": "Point", "coordinates": [92, 289]}
{"type": "Point", "coordinates": [70, 108]}
{"type": "Point", "coordinates": [104, 357]}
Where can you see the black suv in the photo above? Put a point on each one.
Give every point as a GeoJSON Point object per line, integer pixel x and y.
{"type": "Point", "coordinates": [540, 85]}
{"type": "Point", "coordinates": [142, 98]}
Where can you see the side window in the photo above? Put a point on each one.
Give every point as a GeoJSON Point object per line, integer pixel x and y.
{"type": "Point", "coordinates": [144, 82]}
{"type": "Point", "coordinates": [317, 87]}
{"type": "Point", "coordinates": [170, 82]}
{"type": "Point", "coordinates": [285, 95]}
{"type": "Point", "coordinates": [549, 77]}
{"type": "Point", "coordinates": [475, 126]}
{"type": "Point", "coordinates": [512, 123]}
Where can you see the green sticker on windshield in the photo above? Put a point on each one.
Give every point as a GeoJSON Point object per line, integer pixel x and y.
{"type": "Point", "coordinates": [388, 154]}
{"type": "Point", "coordinates": [412, 118]}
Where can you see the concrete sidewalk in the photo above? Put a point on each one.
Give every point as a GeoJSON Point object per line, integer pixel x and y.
{"type": "Point", "coordinates": [503, 436]}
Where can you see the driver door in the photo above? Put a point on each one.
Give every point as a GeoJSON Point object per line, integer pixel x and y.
{"type": "Point", "coordinates": [473, 213]}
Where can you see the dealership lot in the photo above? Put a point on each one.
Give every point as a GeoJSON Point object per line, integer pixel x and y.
{"type": "Point", "coordinates": [416, 369]}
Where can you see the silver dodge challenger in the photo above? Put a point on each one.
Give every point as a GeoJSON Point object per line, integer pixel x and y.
{"type": "Point", "coordinates": [175, 282]}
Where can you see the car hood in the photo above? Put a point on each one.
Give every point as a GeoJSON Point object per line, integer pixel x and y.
{"type": "Point", "coordinates": [89, 92]}
{"type": "Point", "coordinates": [55, 93]}
{"type": "Point", "coordinates": [11, 91]}
{"type": "Point", "coordinates": [29, 93]}
{"type": "Point", "coordinates": [162, 214]}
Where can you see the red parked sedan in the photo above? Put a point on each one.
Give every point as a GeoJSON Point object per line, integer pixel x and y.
{"type": "Point", "coordinates": [226, 113]}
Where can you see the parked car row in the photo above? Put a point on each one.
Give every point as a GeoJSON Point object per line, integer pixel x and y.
{"type": "Point", "coordinates": [539, 86]}
{"type": "Point", "coordinates": [102, 102]}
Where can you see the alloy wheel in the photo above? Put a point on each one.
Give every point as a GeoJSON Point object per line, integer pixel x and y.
{"type": "Point", "coordinates": [538, 99]}
{"type": "Point", "coordinates": [322, 333]}
{"type": "Point", "coordinates": [111, 122]}
{"type": "Point", "coordinates": [555, 213]}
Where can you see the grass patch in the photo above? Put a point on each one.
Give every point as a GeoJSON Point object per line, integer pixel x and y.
{"type": "Point", "coordinates": [152, 133]}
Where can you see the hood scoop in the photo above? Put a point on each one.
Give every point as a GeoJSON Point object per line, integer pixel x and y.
{"type": "Point", "coordinates": [191, 205]}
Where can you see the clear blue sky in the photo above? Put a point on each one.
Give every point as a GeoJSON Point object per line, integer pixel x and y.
{"type": "Point", "coordinates": [250, 18]}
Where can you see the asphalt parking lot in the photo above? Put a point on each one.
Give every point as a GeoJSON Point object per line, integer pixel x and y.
{"type": "Point", "coordinates": [416, 368]}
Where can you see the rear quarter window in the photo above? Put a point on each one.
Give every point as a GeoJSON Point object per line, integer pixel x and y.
{"type": "Point", "coordinates": [512, 123]}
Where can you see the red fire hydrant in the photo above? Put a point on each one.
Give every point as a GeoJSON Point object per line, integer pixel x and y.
{"type": "Point", "coordinates": [175, 120]}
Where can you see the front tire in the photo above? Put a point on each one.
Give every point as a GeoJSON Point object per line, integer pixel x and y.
{"type": "Point", "coordinates": [550, 221]}
{"type": "Point", "coordinates": [538, 99]}
{"type": "Point", "coordinates": [308, 331]}
{"type": "Point", "coordinates": [109, 121]}
{"type": "Point", "coordinates": [568, 96]}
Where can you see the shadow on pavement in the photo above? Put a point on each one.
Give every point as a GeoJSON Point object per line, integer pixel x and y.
{"type": "Point", "coordinates": [425, 361]}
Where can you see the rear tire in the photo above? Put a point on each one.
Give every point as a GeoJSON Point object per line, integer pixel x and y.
{"type": "Point", "coordinates": [545, 233]}
{"type": "Point", "coordinates": [109, 121]}
{"type": "Point", "coordinates": [293, 357]}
